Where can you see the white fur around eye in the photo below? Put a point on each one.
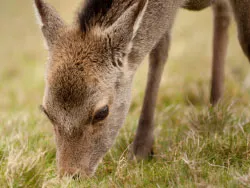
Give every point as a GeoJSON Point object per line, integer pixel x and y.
{"type": "Point", "coordinates": [101, 104]}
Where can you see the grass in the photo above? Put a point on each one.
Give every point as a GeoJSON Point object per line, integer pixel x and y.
{"type": "Point", "coordinates": [196, 145]}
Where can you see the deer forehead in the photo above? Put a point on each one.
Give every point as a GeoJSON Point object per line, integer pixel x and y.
{"type": "Point", "coordinates": [77, 43]}
{"type": "Point", "coordinates": [78, 53]}
{"type": "Point", "coordinates": [75, 84]}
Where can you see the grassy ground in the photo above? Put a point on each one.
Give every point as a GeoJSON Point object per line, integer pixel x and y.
{"type": "Point", "coordinates": [196, 145]}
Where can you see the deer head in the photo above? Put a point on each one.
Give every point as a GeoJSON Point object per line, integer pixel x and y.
{"type": "Point", "coordinates": [88, 79]}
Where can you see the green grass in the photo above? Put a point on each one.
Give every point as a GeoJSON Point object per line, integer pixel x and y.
{"type": "Point", "coordinates": [196, 145]}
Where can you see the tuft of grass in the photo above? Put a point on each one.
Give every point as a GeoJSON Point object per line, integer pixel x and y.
{"type": "Point", "coordinates": [212, 119]}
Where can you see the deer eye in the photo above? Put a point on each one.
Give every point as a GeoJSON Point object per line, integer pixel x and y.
{"type": "Point", "coordinates": [101, 114]}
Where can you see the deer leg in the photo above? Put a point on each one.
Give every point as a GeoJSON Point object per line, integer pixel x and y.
{"type": "Point", "coordinates": [142, 146]}
{"type": "Point", "coordinates": [221, 11]}
{"type": "Point", "coordinates": [241, 10]}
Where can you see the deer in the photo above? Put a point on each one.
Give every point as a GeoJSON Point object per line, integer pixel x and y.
{"type": "Point", "coordinates": [92, 63]}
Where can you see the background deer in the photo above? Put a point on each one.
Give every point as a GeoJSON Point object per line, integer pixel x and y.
{"type": "Point", "coordinates": [92, 64]}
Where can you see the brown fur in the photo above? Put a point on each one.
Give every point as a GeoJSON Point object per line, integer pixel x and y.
{"type": "Point", "coordinates": [92, 64]}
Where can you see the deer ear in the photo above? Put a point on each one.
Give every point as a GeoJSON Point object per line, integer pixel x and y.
{"type": "Point", "coordinates": [124, 29]}
{"type": "Point", "coordinates": [49, 20]}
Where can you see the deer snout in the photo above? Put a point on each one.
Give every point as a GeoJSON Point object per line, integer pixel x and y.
{"type": "Point", "coordinates": [72, 163]}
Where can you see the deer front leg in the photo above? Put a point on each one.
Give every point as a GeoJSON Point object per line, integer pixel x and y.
{"type": "Point", "coordinates": [241, 10]}
{"type": "Point", "coordinates": [222, 12]}
{"type": "Point", "coordinates": [142, 146]}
